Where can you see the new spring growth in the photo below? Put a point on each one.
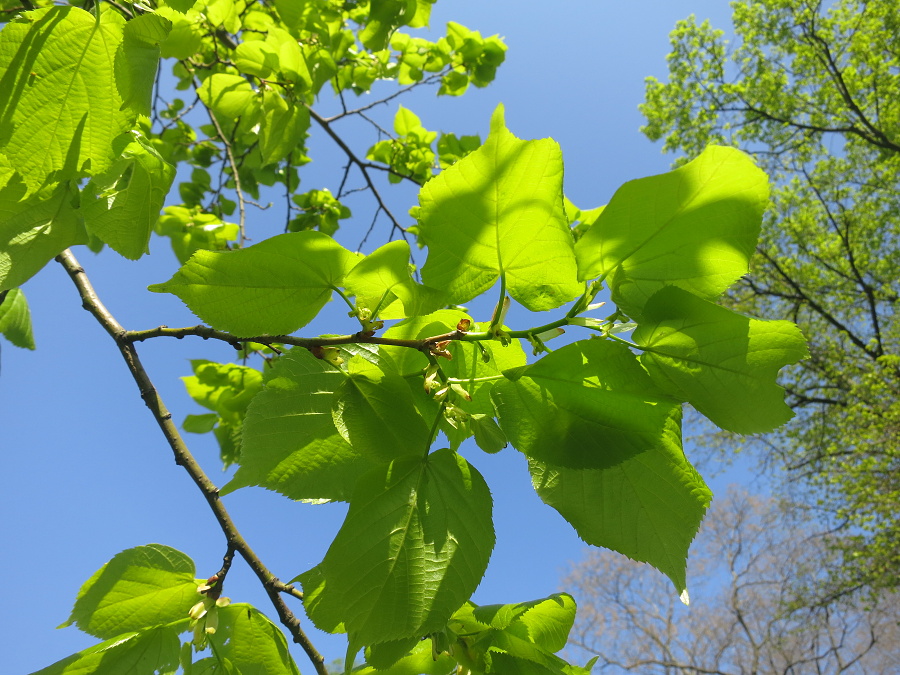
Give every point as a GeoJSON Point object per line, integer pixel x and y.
{"type": "Point", "coordinates": [440, 349]}
{"type": "Point", "coordinates": [204, 615]}
{"type": "Point", "coordinates": [497, 319]}
{"type": "Point", "coordinates": [330, 354]}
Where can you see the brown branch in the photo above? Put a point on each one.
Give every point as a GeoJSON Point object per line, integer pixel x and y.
{"type": "Point", "coordinates": [208, 333]}
{"type": "Point", "coordinates": [183, 457]}
{"type": "Point", "coordinates": [363, 167]}
{"type": "Point", "coordinates": [235, 173]}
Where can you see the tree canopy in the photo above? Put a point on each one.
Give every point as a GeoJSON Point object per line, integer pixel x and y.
{"type": "Point", "coordinates": [374, 418]}
{"type": "Point", "coordinates": [812, 90]}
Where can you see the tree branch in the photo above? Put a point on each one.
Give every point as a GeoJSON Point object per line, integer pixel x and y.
{"type": "Point", "coordinates": [183, 457]}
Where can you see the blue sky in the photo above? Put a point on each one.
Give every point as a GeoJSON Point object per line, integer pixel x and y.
{"type": "Point", "coordinates": [87, 473]}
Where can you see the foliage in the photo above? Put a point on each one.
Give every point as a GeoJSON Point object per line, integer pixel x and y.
{"type": "Point", "coordinates": [356, 417]}
{"type": "Point", "coordinates": [812, 90]}
{"type": "Point", "coordinates": [755, 621]}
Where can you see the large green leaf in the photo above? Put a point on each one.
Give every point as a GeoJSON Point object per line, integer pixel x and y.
{"type": "Point", "coordinates": [271, 288]}
{"type": "Point", "coordinates": [122, 205]}
{"type": "Point", "coordinates": [289, 441]}
{"type": "Point", "coordinates": [413, 548]}
{"type": "Point", "coordinates": [722, 362]}
{"type": "Point", "coordinates": [386, 271]}
{"type": "Point", "coordinates": [251, 642]}
{"type": "Point", "coordinates": [139, 588]}
{"type": "Point", "coordinates": [695, 227]}
{"type": "Point", "coordinates": [138, 58]}
{"type": "Point", "coordinates": [34, 231]}
{"type": "Point", "coordinates": [499, 212]}
{"type": "Point", "coordinates": [149, 652]}
{"type": "Point", "coordinates": [376, 414]}
{"type": "Point", "coordinates": [586, 405]}
{"type": "Point", "coordinates": [419, 661]}
{"type": "Point", "coordinates": [647, 507]}
{"type": "Point", "coordinates": [545, 622]}
{"type": "Point", "coordinates": [15, 319]}
{"type": "Point", "coordinates": [60, 103]}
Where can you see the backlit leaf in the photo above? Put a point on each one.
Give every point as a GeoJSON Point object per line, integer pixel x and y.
{"type": "Point", "coordinates": [127, 198]}
{"type": "Point", "coordinates": [270, 288]}
{"type": "Point", "coordinates": [139, 588]}
{"type": "Point", "coordinates": [376, 414]}
{"type": "Point", "coordinates": [289, 441]}
{"type": "Point", "coordinates": [721, 362]}
{"type": "Point", "coordinates": [647, 507]}
{"type": "Point", "coordinates": [15, 319]}
{"type": "Point", "coordinates": [34, 231]}
{"type": "Point", "coordinates": [499, 211]}
{"type": "Point", "coordinates": [695, 227]}
{"type": "Point", "coordinates": [586, 405]}
{"type": "Point", "coordinates": [149, 652]}
{"type": "Point", "coordinates": [414, 546]}
{"type": "Point", "coordinates": [60, 104]}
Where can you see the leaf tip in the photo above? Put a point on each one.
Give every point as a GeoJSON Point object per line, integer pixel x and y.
{"type": "Point", "coordinates": [684, 597]}
{"type": "Point", "coordinates": [498, 119]}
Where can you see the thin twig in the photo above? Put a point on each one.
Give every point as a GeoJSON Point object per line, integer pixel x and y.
{"type": "Point", "coordinates": [183, 457]}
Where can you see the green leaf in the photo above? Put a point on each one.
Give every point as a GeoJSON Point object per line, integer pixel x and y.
{"type": "Point", "coordinates": [139, 588]}
{"type": "Point", "coordinates": [122, 205]}
{"type": "Point", "coordinates": [499, 212]}
{"type": "Point", "coordinates": [413, 548]}
{"type": "Point", "coordinates": [282, 127]}
{"type": "Point", "coordinates": [586, 405]}
{"type": "Point", "coordinates": [384, 17]}
{"type": "Point", "coordinates": [251, 643]}
{"type": "Point", "coordinates": [15, 319]}
{"type": "Point", "coordinates": [419, 661]}
{"type": "Point", "coordinates": [376, 415]}
{"type": "Point", "coordinates": [695, 227]}
{"type": "Point", "coordinates": [721, 362]}
{"type": "Point", "coordinates": [271, 288]}
{"type": "Point", "coordinates": [386, 270]}
{"type": "Point", "coordinates": [229, 96]}
{"type": "Point", "coordinates": [256, 57]}
{"type": "Point", "coordinates": [226, 388]}
{"type": "Point", "coordinates": [488, 435]}
{"type": "Point", "coordinates": [546, 622]}
{"type": "Point", "coordinates": [647, 507]}
{"type": "Point", "coordinates": [289, 441]}
{"type": "Point", "coordinates": [138, 58]}
{"type": "Point", "coordinates": [186, 35]}
{"type": "Point", "coordinates": [149, 652]}
{"type": "Point", "coordinates": [200, 424]}
{"type": "Point", "coordinates": [60, 104]}
{"type": "Point", "coordinates": [34, 231]}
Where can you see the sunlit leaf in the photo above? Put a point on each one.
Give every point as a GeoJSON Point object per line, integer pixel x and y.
{"type": "Point", "coordinates": [290, 443]}
{"type": "Point", "coordinates": [695, 227]}
{"type": "Point", "coordinates": [648, 507]}
{"type": "Point", "coordinates": [60, 104]}
{"type": "Point", "coordinates": [413, 548]}
{"type": "Point", "coordinates": [139, 588]}
{"type": "Point", "coordinates": [499, 211]}
{"type": "Point", "coordinates": [721, 362]}
{"type": "Point", "coordinates": [588, 405]}
{"type": "Point", "coordinates": [270, 288]}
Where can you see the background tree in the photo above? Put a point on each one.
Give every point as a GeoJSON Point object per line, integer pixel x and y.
{"type": "Point", "coordinates": [749, 567]}
{"type": "Point", "coordinates": [812, 90]}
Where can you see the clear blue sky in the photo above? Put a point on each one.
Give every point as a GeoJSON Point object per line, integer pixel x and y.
{"type": "Point", "coordinates": [86, 470]}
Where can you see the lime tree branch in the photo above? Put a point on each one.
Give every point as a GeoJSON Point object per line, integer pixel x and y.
{"type": "Point", "coordinates": [183, 457]}
{"type": "Point", "coordinates": [363, 337]}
